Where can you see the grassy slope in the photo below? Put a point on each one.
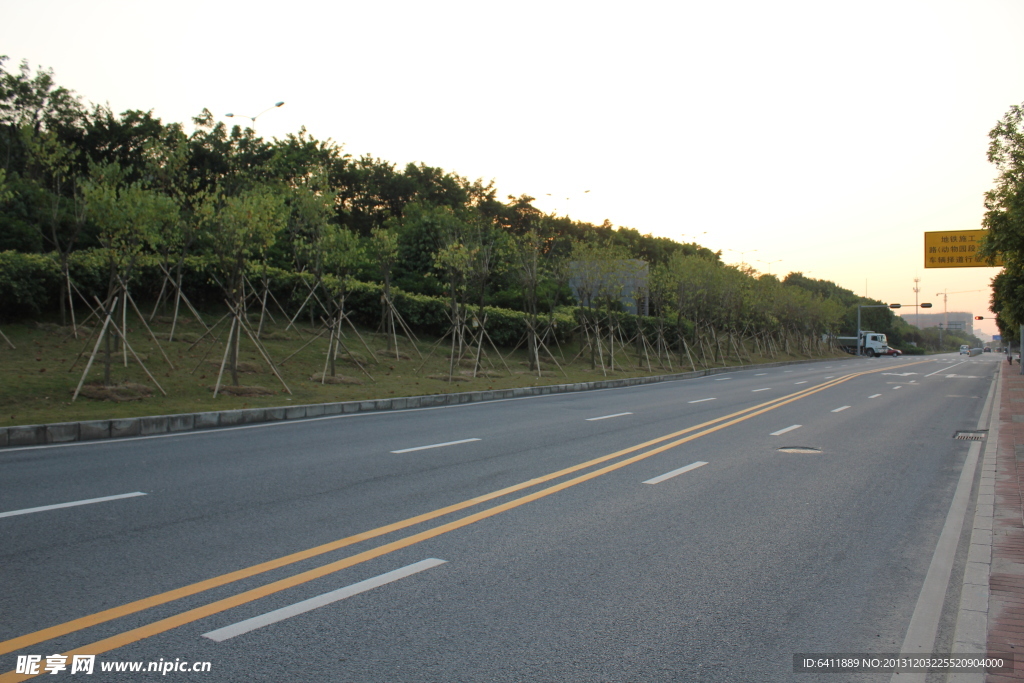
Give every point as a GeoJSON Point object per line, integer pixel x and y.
{"type": "Point", "coordinates": [36, 385]}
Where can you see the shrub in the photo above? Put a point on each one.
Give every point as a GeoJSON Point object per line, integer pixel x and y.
{"type": "Point", "coordinates": [29, 283]}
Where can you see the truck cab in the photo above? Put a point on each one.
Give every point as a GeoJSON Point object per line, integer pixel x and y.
{"type": "Point", "coordinates": [874, 344]}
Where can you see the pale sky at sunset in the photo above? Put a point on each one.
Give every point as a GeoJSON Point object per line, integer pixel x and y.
{"type": "Point", "coordinates": [826, 136]}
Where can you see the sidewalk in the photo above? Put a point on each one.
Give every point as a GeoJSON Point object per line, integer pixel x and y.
{"type": "Point", "coordinates": [1006, 580]}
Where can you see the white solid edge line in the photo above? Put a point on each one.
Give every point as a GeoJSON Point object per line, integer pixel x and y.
{"type": "Point", "coordinates": [72, 504]}
{"type": "Point", "coordinates": [841, 409]}
{"type": "Point", "coordinates": [924, 624]}
{"type": "Point", "coordinates": [221, 634]}
{"type": "Point", "coordinates": [434, 445]}
{"type": "Point", "coordinates": [787, 429]}
{"type": "Point", "coordinates": [874, 395]}
{"type": "Point", "coordinates": [754, 391]}
{"type": "Point", "coordinates": [674, 473]}
{"type": "Point", "coordinates": [605, 417]}
{"type": "Point", "coordinates": [701, 400]}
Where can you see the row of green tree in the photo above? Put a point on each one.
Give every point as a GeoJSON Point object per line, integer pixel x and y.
{"type": "Point", "coordinates": [1004, 219]}
{"type": "Point", "coordinates": [78, 177]}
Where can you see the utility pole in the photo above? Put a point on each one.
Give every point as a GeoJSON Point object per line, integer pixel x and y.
{"type": "Point", "coordinates": [917, 313]}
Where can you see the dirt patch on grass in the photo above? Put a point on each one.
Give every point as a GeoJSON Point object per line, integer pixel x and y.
{"type": "Point", "coordinates": [444, 378]}
{"type": "Point", "coordinates": [489, 374]}
{"type": "Point", "coordinates": [276, 336]}
{"type": "Point", "coordinates": [337, 379]}
{"type": "Point", "coordinates": [543, 373]}
{"type": "Point", "coordinates": [168, 319]}
{"type": "Point", "coordinates": [243, 366]}
{"type": "Point", "coordinates": [54, 328]}
{"type": "Point", "coordinates": [129, 391]}
{"type": "Point", "coordinates": [390, 355]}
{"type": "Point", "coordinates": [245, 391]}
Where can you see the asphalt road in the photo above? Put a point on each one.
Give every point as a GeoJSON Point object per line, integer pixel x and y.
{"type": "Point", "coordinates": [561, 552]}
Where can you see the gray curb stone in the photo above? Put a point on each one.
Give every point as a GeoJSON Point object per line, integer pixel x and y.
{"type": "Point", "coordinates": [127, 427]}
{"type": "Point", "coordinates": [92, 430]}
{"type": "Point", "coordinates": [181, 423]}
{"type": "Point", "coordinates": [153, 425]}
{"type": "Point", "coordinates": [62, 432]}
{"type": "Point", "coordinates": [26, 436]}
{"type": "Point", "coordinates": [205, 420]}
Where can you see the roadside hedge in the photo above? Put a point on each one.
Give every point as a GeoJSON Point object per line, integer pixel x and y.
{"type": "Point", "coordinates": [30, 286]}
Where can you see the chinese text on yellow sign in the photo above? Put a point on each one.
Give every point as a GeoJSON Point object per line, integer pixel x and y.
{"type": "Point", "coordinates": [955, 249]}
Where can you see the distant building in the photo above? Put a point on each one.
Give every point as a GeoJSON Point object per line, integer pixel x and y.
{"type": "Point", "coordinates": [957, 321]}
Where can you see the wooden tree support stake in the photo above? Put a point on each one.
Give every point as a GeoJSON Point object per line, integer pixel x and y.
{"type": "Point", "coordinates": [95, 349]}
{"type": "Point", "coordinates": [7, 340]}
{"type": "Point", "coordinates": [227, 350]}
{"type": "Point", "coordinates": [208, 331]}
{"type": "Point", "coordinates": [129, 298]}
{"type": "Point", "coordinates": [292, 355]}
{"type": "Point", "coordinates": [263, 352]}
{"type": "Point", "coordinates": [124, 340]}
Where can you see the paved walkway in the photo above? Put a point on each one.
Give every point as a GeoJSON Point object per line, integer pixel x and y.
{"type": "Point", "coordinates": [1006, 577]}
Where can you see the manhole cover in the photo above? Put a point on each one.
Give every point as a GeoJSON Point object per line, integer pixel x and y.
{"type": "Point", "coordinates": [969, 436]}
{"type": "Point", "coordinates": [799, 449]}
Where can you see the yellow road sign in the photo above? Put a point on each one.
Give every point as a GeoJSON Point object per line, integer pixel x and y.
{"type": "Point", "coordinates": [955, 249]}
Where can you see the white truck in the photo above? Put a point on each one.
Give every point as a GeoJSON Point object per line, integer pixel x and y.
{"type": "Point", "coordinates": [872, 343]}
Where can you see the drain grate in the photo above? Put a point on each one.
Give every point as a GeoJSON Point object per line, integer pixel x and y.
{"type": "Point", "coordinates": [799, 449]}
{"type": "Point", "coordinates": [969, 436]}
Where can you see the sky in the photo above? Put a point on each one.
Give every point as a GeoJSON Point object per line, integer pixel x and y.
{"type": "Point", "coordinates": [796, 135]}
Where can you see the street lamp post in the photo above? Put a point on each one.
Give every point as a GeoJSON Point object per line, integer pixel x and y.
{"type": "Point", "coordinates": [253, 118]}
{"type": "Point", "coordinates": [769, 264]}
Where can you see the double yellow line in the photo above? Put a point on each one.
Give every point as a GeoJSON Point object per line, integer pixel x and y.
{"type": "Point", "coordinates": [189, 616]}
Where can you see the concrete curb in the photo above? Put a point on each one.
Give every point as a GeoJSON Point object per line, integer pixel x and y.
{"type": "Point", "coordinates": [92, 430]}
{"type": "Point", "coordinates": [970, 636]}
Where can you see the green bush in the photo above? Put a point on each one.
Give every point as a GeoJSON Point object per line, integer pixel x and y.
{"type": "Point", "coordinates": [29, 283]}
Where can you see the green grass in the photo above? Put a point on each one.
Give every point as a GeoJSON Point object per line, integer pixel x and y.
{"type": "Point", "coordinates": [38, 378]}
